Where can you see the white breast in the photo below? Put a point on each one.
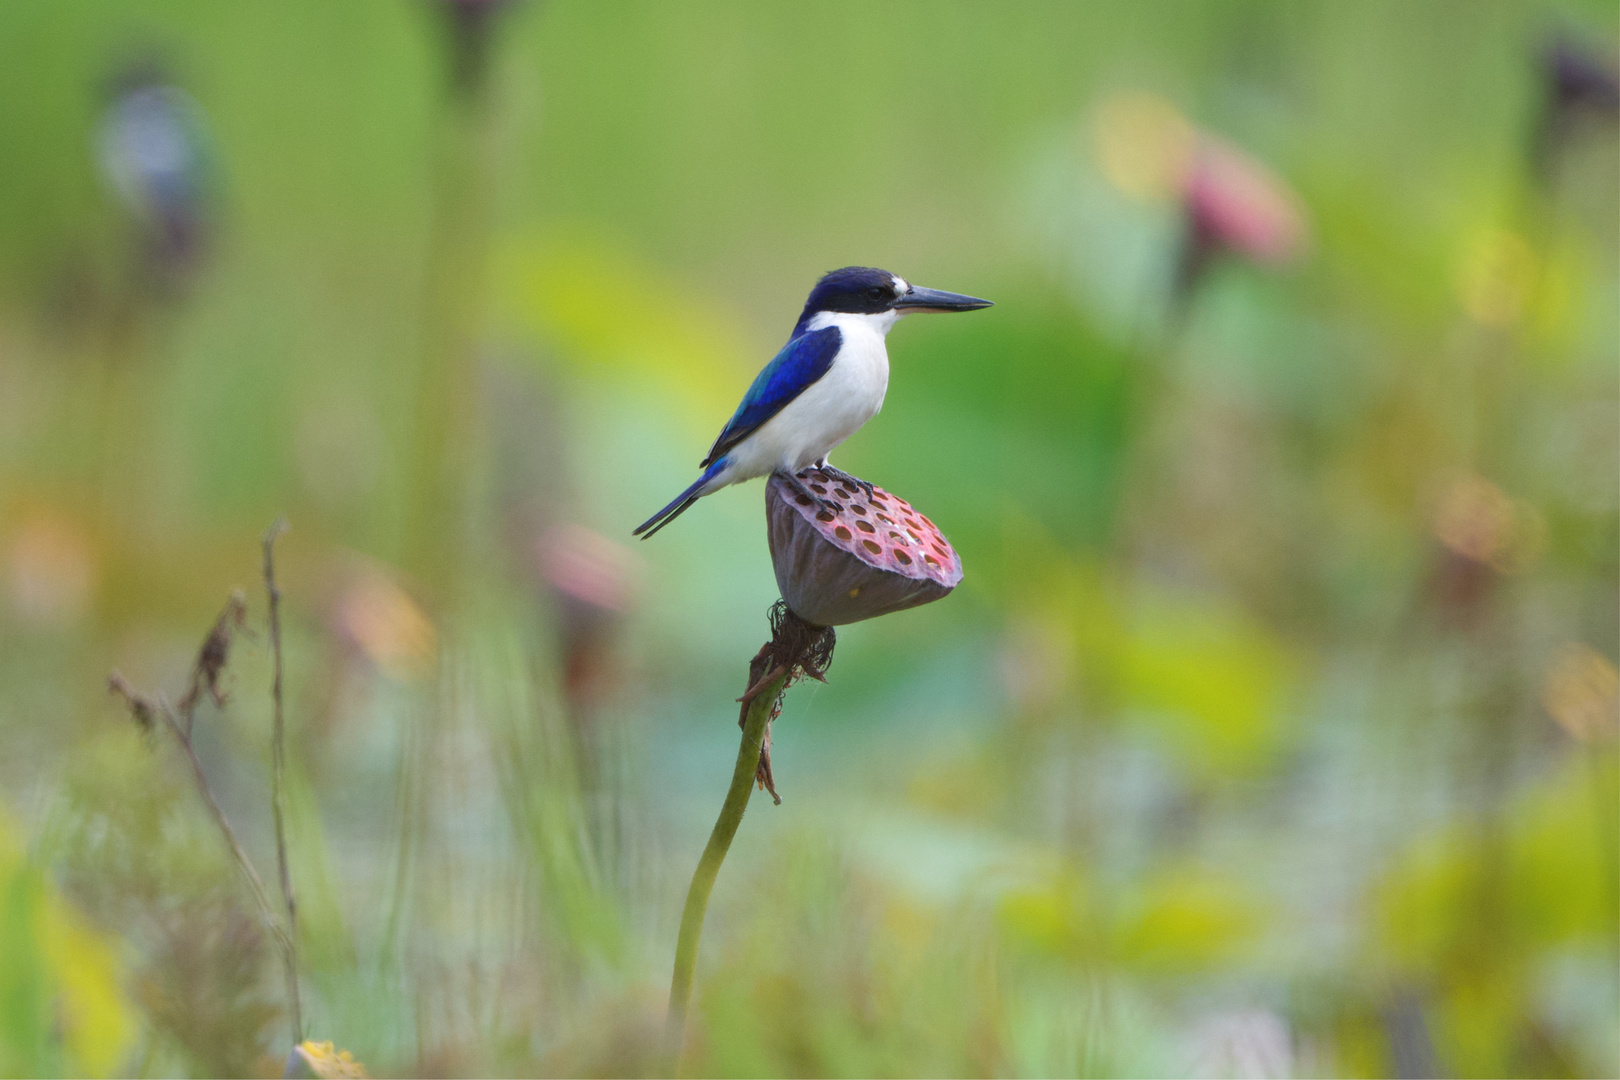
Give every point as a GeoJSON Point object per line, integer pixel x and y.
{"type": "Point", "coordinates": [831, 410]}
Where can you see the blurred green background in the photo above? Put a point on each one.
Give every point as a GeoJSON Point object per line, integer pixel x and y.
{"type": "Point", "coordinates": [1272, 731]}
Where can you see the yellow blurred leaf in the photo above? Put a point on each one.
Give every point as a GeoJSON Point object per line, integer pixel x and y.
{"type": "Point", "coordinates": [1550, 872]}
{"type": "Point", "coordinates": [606, 312]}
{"type": "Point", "coordinates": [311, 1060]}
{"type": "Point", "coordinates": [1416, 908]}
{"type": "Point", "coordinates": [96, 1023]}
{"type": "Point", "coordinates": [66, 1011]}
{"type": "Point", "coordinates": [1496, 275]}
{"type": "Point", "coordinates": [1188, 919]}
{"type": "Point", "coordinates": [1214, 683]}
{"type": "Point", "coordinates": [1479, 1023]}
{"type": "Point", "coordinates": [1144, 143]}
{"type": "Point", "coordinates": [1050, 917]}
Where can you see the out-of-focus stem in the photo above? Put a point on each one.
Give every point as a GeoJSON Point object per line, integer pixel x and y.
{"type": "Point", "coordinates": [443, 422]}
{"type": "Point", "coordinates": [445, 410]}
{"type": "Point", "coordinates": [697, 896]}
{"type": "Point", "coordinates": [1603, 795]}
{"type": "Point", "coordinates": [278, 759]}
{"type": "Point", "coordinates": [119, 438]}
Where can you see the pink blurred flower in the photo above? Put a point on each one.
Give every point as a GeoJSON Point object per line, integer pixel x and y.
{"type": "Point", "coordinates": [384, 624]}
{"type": "Point", "coordinates": [1482, 534]}
{"type": "Point", "coordinates": [1231, 203]}
{"type": "Point", "coordinates": [51, 567]}
{"type": "Point", "coordinates": [594, 581]}
{"type": "Point", "coordinates": [1234, 203]}
{"type": "Point", "coordinates": [588, 568]}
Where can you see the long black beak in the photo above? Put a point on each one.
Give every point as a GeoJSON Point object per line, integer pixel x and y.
{"type": "Point", "coordinates": [920, 299]}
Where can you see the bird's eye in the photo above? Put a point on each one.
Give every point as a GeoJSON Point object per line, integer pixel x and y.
{"type": "Point", "coordinates": [875, 292]}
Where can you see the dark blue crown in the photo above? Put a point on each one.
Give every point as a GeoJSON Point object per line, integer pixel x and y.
{"type": "Point", "coordinates": [863, 289]}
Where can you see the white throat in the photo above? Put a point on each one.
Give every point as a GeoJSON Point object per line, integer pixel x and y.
{"type": "Point", "coordinates": [878, 323]}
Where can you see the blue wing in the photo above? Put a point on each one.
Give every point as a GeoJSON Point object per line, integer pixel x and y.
{"type": "Point", "coordinates": [801, 362]}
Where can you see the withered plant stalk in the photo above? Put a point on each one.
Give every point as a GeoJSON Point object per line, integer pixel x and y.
{"type": "Point", "coordinates": [150, 710]}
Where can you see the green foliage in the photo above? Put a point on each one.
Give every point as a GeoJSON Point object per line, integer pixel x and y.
{"type": "Point", "coordinates": [1251, 716]}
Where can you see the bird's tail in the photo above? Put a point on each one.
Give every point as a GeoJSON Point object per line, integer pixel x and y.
{"type": "Point", "coordinates": [680, 504]}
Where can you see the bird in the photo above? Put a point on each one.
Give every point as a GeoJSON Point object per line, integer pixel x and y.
{"type": "Point", "coordinates": [825, 383]}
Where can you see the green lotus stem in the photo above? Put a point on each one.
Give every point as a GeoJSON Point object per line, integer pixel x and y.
{"type": "Point", "coordinates": [708, 867]}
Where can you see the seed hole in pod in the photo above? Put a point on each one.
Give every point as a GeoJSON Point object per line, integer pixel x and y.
{"type": "Point", "coordinates": [930, 560]}
{"type": "Point", "coordinates": [842, 494]}
{"type": "Point", "coordinates": [858, 508]}
{"type": "Point", "coordinates": [942, 552]}
{"type": "Point", "coordinates": [911, 521]}
{"type": "Point", "coordinates": [873, 546]}
{"type": "Point", "coordinates": [886, 519]}
{"type": "Point", "coordinates": [824, 516]}
{"type": "Point", "coordinates": [866, 526]}
{"type": "Point", "coordinates": [802, 500]}
{"type": "Point", "coordinates": [903, 558]}
{"type": "Point", "coordinates": [818, 489]}
{"type": "Point", "coordinates": [913, 533]}
{"type": "Point", "coordinates": [897, 538]}
{"type": "Point", "coordinates": [836, 505]}
{"type": "Point", "coordinates": [842, 533]}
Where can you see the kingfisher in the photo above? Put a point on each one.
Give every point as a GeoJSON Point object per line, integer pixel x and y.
{"type": "Point", "coordinates": [828, 380]}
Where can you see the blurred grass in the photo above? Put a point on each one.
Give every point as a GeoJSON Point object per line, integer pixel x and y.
{"type": "Point", "coordinates": [1242, 749]}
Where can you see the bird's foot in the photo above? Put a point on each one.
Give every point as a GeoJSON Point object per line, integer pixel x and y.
{"type": "Point", "coordinates": [804, 492]}
{"type": "Point", "coordinates": [842, 477]}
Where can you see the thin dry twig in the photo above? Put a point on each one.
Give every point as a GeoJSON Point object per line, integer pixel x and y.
{"type": "Point", "coordinates": [147, 711]}
{"type": "Point", "coordinates": [278, 757]}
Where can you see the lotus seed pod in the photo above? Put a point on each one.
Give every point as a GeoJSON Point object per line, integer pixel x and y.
{"type": "Point", "coordinates": [855, 557]}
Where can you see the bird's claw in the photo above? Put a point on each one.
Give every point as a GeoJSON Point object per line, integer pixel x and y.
{"type": "Point", "coordinates": [804, 492]}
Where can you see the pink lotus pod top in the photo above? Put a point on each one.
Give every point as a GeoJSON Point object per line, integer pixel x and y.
{"type": "Point", "coordinates": [856, 557]}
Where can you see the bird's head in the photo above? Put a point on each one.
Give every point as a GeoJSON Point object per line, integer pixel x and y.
{"type": "Point", "coordinates": [880, 295]}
